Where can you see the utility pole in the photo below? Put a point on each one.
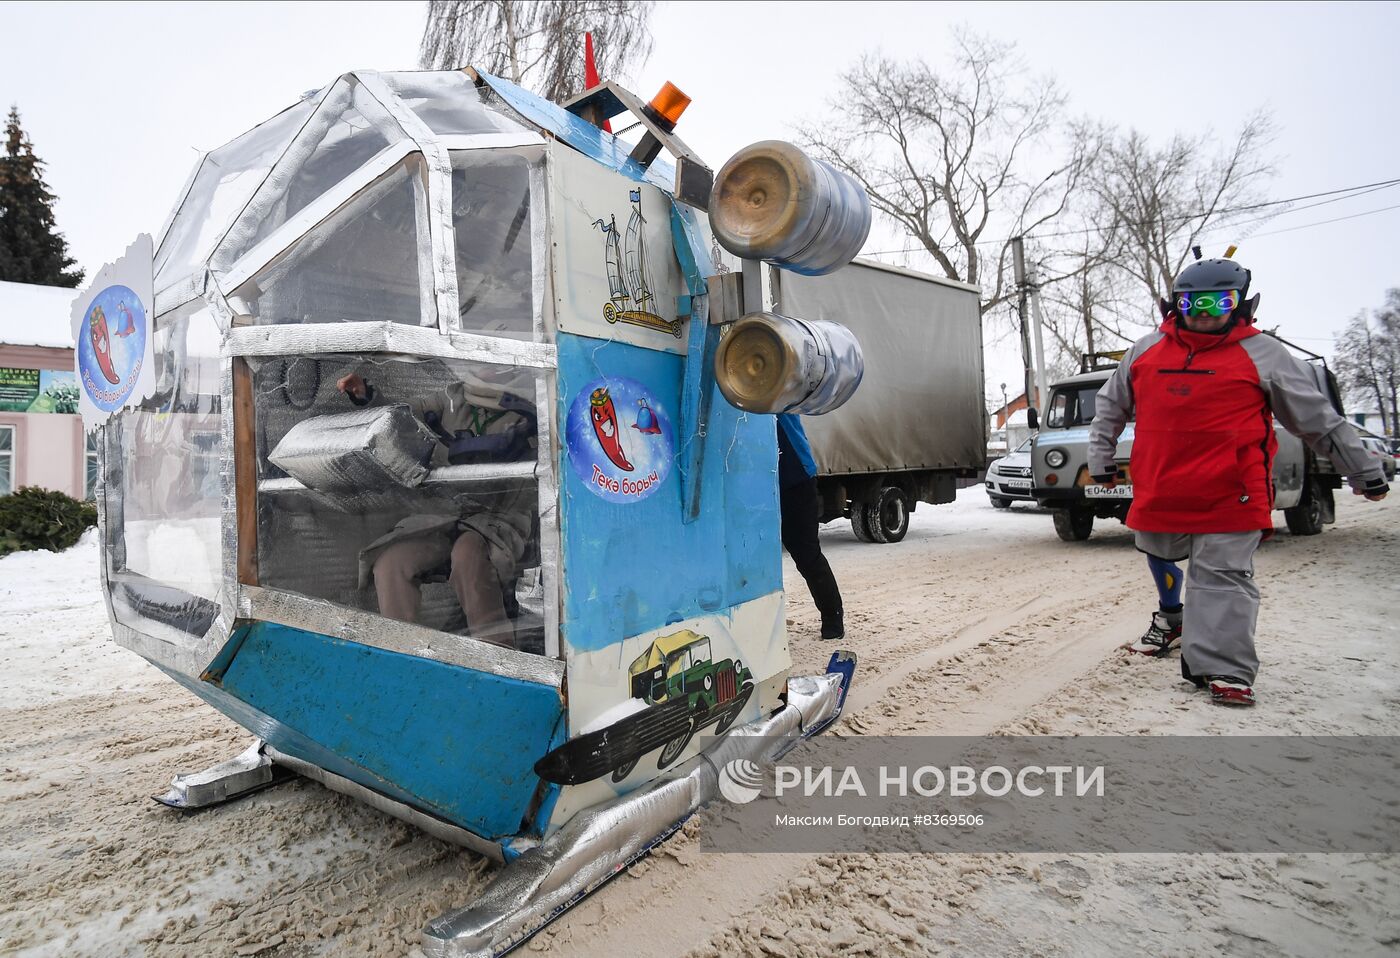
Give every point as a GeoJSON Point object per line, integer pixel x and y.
{"type": "Point", "coordinates": [1086, 303]}
{"type": "Point", "coordinates": [1018, 263]}
{"type": "Point", "coordinates": [1036, 387]}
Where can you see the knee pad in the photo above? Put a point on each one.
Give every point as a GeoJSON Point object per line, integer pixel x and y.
{"type": "Point", "coordinates": [1168, 578]}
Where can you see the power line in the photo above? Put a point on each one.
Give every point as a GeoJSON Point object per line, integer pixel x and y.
{"type": "Point", "coordinates": [1335, 219]}
{"type": "Point", "coordinates": [1350, 192]}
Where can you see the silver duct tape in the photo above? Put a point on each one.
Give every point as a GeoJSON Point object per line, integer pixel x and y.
{"type": "Point", "coordinates": [245, 772]}
{"type": "Point", "coordinates": [489, 141]}
{"type": "Point", "coordinates": [540, 300]}
{"type": "Point", "coordinates": [177, 294]}
{"type": "Point", "coordinates": [548, 499]}
{"type": "Point", "coordinates": [107, 497]}
{"type": "Point", "coordinates": [366, 628]}
{"type": "Point", "coordinates": [434, 826]}
{"type": "Point", "coordinates": [179, 652]}
{"type": "Point", "coordinates": [363, 449]}
{"type": "Point", "coordinates": [329, 106]}
{"type": "Point", "coordinates": [599, 841]}
{"type": "Point", "coordinates": [313, 338]}
{"type": "Point", "coordinates": [438, 475]}
{"type": "Point", "coordinates": [438, 276]}
{"type": "Point", "coordinates": [228, 481]}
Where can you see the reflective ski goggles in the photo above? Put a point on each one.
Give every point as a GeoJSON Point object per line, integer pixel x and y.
{"type": "Point", "coordinates": [1213, 303]}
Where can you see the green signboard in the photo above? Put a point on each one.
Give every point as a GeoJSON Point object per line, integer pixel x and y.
{"type": "Point", "coordinates": [38, 390]}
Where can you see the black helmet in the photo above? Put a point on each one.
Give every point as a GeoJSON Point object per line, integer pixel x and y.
{"type": "Point", "coordinates": [1211, 275]}
{"type": "Point", "coordinates": [1207, 275]}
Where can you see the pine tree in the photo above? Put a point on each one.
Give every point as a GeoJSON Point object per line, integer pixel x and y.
{"type": "Point", "coordinates": [31, 249]}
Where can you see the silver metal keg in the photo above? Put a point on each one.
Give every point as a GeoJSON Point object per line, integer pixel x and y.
{"type": "Point", "coordinates": [773, 202]}
{"type": "Point", "coordinates": [768, 363]}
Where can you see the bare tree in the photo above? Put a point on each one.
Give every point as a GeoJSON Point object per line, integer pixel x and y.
{"type": "Point", "coordinates": [537, 42]}
{"type": "Point", "coordinates": [1367, 360]}
{"type": "Point", "coordinates": [948, 155]}
{"type": "Point", "coordinates": [1159, 201]}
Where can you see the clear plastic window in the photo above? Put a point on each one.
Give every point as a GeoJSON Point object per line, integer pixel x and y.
{"type": "Point", "coordinates": [492, 217]}
{"type": "Point", "coordinates": [361, 264]}
{"type": "Point", "coordinates": [405, 488]}
{"type": "Point", "coordinates": [226, 180]}
{"type": "Point", "coordinates": [347, 132]}
{"type": "Point", "coordinates": [164, 497]}
{"type": "Point", "coordinates": [450, 104]}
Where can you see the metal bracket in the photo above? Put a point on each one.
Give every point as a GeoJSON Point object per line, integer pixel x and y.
{"type": "Point", "coordinates": [694, 179]}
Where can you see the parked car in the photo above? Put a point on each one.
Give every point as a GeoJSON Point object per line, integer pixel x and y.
{"type": "Point", "coordinates": [1009, 478]}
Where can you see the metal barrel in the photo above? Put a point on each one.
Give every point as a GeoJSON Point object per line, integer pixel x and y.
{"type": "Point", "coordinates": [768, 363]}
{"type": "Point", "coordinates": [773, 202]}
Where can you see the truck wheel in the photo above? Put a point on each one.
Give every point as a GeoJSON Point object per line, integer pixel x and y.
{"type": "Point", "coordinates": [623, 770]}
{"type": "Point", "coordinates": [858, 525]}
{"type": "Point", "coordinates": [1305, 519]}
{"type": "Point", "coordinates": [998, 502]}
{"type": "Point", "coordinates": [1073, 525]}
{"type": "Point", "coordinates": [887, 516]}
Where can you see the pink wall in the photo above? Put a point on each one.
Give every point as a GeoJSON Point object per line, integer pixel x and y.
{"type": "Point", "coordinates": [48, 446]}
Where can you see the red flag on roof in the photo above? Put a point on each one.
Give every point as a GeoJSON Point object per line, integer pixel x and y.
{"type": "Point", "coordinates": [590, 70]}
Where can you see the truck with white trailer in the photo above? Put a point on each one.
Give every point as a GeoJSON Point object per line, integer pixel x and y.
{"type": "Point", "coordinates": [917, 423]}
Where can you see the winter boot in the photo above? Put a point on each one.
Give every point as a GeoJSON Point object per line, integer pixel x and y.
{"type": "Point", "coordinates": [1161, 637]}
{"type": "Point", "coordinates": [1228, 690]}
{"type": "Point", "coordinates": [834, 626]}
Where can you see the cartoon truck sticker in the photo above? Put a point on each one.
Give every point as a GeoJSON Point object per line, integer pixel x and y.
{"type": "Point", "coordinates": [682, 690]}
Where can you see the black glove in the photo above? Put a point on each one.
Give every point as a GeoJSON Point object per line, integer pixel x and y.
{"type": "Point", "coordinates": [1375, 489]}
{"type": "Point", "coordinates": [1108, 478]}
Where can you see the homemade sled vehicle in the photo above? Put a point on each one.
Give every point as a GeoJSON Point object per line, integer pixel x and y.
{"type": "Point", "coordinates": [432, 307]}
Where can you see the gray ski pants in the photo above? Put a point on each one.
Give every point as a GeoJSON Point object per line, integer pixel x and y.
{"type": "Point", "coordinates": [1222, 601]}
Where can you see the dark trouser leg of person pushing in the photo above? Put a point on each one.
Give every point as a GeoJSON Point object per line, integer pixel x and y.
{"type": "Point", "coordinates": [799, 532]}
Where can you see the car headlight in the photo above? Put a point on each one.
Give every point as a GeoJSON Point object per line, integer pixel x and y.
{"type": "Point", "coordinates": [1056, 458]}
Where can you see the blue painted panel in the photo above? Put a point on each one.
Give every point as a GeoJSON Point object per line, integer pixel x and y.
{"type": "Point", "coordinates": [582, 135]}
{"type": "Point", "coordinates": [453, 741]}
{"type": "Point", "coordinates": [630, 567]}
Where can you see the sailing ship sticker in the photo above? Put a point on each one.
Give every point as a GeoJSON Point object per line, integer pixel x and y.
{"type": "Point", "coordinates": [620, 439]}
{"type": "Point", "coordinates": [631, 287]}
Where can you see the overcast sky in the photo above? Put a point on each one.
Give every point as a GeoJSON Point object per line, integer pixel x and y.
{"type": "Point", "coordinates": [119, 98]}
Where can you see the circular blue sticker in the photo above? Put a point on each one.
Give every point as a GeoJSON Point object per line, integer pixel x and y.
{"type": "Point", "coordinates": [111, 346]}
{"type": "Point", "coordinates": [620, 439]}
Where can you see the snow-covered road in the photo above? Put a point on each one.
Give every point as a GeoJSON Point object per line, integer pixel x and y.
{"type": "Point", "coordinates": [980, 621]}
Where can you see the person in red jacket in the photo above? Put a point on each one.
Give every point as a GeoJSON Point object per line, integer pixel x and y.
{"type": "Point", "coordinates": [1205, 390]}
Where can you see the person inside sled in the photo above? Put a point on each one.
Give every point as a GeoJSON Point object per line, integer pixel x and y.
{"type": "Point", "coordinates": [477, 420]}
{"type": "Point", "coordinates": [1205, 389]}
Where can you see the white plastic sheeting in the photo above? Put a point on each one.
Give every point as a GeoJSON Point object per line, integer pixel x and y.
{"type": "Point", "coordinates": [164, 501]}
{"type": "Point", "coordinates": [333, 238]}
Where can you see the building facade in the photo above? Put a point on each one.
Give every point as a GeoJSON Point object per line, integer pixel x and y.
{"type": "Point", "coordinates": [41, 435]}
